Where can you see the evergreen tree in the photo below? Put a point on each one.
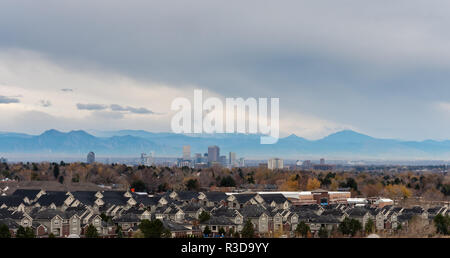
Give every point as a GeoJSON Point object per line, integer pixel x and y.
{"type": "Point", "coordinates": [25, 232]}
{"type": "Point", "coordinates": [370, 226]}
{"type": "Point", "coordinates": [206, 231]}
{"type": "Point", "coordinates": [221, 231]}
{"type": "Point", "coordinates": [248, 231]}
{"type": "Point", "coordinates": [302, 229]}
{"type": "Point", "coordinates": [323, 232]}
{"type": "Point", "coordinates": [56, 171]}
{"type": "Point", "coordinates": [152, 229]}
{"type": "Point", "coordinates": [442, 224]}
{"type": "Point", "coordinates": [91, 232]}
{"type": "Point", "coordinates": [4, 231]}
{"type": "Point", "coordinates": [204, 216]}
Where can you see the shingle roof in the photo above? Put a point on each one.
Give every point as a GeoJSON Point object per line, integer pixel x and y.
{"type": "Point", "coordinates": [243, 198]}
{"type": "Point", "coordinates": [128, 217]}
{"type": "Point", "coordinates": [56, 198]}
{"type": "Point", "coordinates": [303, 208]}
{"type": "Point", "coordinates": [222, 220]}
{"type": "Point", "coordinates": [224, 211]}
{"type": "Point", "coordinates": [415, 210]}
{"type": "Point", "coordinates": [332, 212]}
{"type": "Point", "coordinates": [11, 200]}
{"type": "Point", "coordinates": [253, 210]}
{"type": "Point", "coordinates": [145, 200]}
{"type": "Point", "coordinates": [113, 194]}
{"type": "Point", "coordinates": [10, 223]}
{"type": "Point", "coordinates": [191, 208]}
{"type": "Point", "coordinates": [115, 200]}
{"type": "Point", "coordinates": [172, 226]}
{"type": "Point", "coordinates": [328, 219]}
{"type": "Point", "coordinates": [187, 195]}
{"type": "Point", "coordinates": [357, 212]}
{"type": "Point", "coordinates": [75, 210]}
{"type": "Point", "coordinates": [216, 196]}
{"type": "Point", "coordinates": [48, 214]}
{"type": "Point", "coordinates": [85, 197]}
{"type": "Point", "coordinates": [30, 193]}
{"type": "Point", "coordinates": [307, 215]}
{"type": "Point", "coordinates": [277, 198]}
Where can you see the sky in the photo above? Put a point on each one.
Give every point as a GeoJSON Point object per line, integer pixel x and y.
{"type": "Point", "coordinates": [377, 67]}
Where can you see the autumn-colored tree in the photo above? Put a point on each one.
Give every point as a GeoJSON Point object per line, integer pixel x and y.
{"type": "Point", "coordinates": [290, 185]}
{"type": "Point", "coordinates": [397, 191]}
{"type": "Point", "coordinates": [312, 184]}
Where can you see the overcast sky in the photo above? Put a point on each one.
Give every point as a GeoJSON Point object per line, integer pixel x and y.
{"type": "Point", "coordinates": [378, 67]}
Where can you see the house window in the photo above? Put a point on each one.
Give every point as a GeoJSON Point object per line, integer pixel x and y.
{"type": "Point", "coordinates": [214, 227]}
{"type": "Point", "coordinates": [74, 222]}
{"type": "Point", "coordinates": [56, 222]}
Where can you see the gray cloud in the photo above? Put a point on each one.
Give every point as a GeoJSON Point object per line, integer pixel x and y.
{"type": "Point", "coordinates": [377, 65]}
{"type": "Point", "coordinates": [67, 90]}
{"type": "Point", "coordinates": [45, 103]}
{"type": "Point", "coordinates": [107, 115]}
{"type": "Point", "coordinates": [8, 100]}
{"type": "Point", "coordinates": [90, 106]}
{"type": "Point", "coordinates": [116, 107]}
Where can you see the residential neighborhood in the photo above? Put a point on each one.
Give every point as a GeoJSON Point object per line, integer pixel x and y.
{"type": "Point", "coordinates": [114, 214]}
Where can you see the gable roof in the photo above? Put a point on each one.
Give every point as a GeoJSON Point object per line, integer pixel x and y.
{"type": "Point", "coordinates": [48, 214]}
{"type": "Point", "coordinates": [187, 195]}
{"type": "Point", "coordinates": [277, 198]}
{"type": "Point", "coordinates": [214, 196]}
{"type": "Point", "coordinates": [253, 211]}
{"type": "Point", "coordinates": [244, 197]}
{"type": "Point", "coordinates": [56, 198]}
{"type": "Point", "coordinates": [357, 212]}
{"type": "Point", "coordinates": [29, 193]}
{"type": "Point", "coordinates": [221, 220]}
{"type": "Point", "coordinates": [146, 200]}
{"type": "Point", "coordinates": [10, 223]}
{"type": "Point", "coordinates": [11, 200]}
{"type": "Point", "coordinates": [224, 211]}
{"type": "Point", "coordinates": [85, 197]}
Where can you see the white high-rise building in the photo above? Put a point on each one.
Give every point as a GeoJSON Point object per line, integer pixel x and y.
{"type": "Point", "coordinates": [232, 158]}
{"type": "Point", "coordinates": [147, 160]}
{"type": "Point", "coordinates": [241, 162]}
{"type": "Point", "coordinates": [275, 163]}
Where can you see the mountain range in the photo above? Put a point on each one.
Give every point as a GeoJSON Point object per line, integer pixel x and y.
{"type": "Point", "coordinates": [131, 143]}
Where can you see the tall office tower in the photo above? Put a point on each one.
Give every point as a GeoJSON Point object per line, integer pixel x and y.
{"type": "Point", "coordinates": [143, 158]}
{"type": "Point", "coordinates": [197, 158]}
{"type": "Point", "coordinates": [241, 162]}
{"type": "Point", "coordinates": [306, 164]}
{"type": "Point", "coordinates": [213, 153]}
{"type": "Point", "coordinates": [147, 160]}
{"type": "Point", "coordinates": [187, 152]}
{"type": "Point", "coordinates": [232, 158]}
{"type": "Point", "coordinates": [223, 160]}
{"type": "Point", "coordinates": [322, 161]}
{"type": "Point", "coordinates": [91, 157]}
{"type": "Point", "coordinates": [275, 163]}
